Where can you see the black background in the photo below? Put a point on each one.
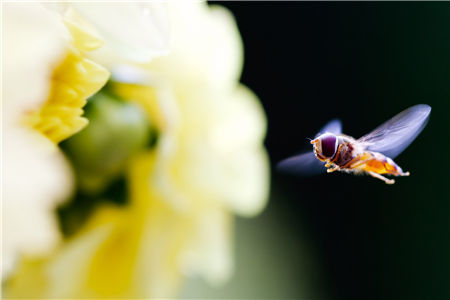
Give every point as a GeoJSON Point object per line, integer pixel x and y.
{"type": "Point", "coordinates": [362, 63]}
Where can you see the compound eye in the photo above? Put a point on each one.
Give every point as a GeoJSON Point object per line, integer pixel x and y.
{"type": "Point", "coordinates": [329, 145]}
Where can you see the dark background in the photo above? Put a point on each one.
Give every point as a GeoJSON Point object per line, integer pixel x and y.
{"type": "Point", "coordinates": [362, 63]}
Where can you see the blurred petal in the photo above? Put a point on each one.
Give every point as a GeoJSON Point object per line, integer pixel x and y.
{"type": "Point", "coordinates": [86, 37]}
{"type": "Point", "coordinates": [37, 179]}
{"type": "Point", "coordinates": [33, 44]}
{"type": "Point", "coordinates": [136, 31]}
{"type": "Point", "coordinates": [209, 252]}
{"type": "Point", "coordinates": [205, 44]}
{"type": "Point", "coordinates": [220, 153]}
{"type": "Point", "coordinates": [65, 273]}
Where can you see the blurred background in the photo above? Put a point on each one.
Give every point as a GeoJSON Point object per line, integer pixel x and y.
{"type": "Point", "coordinates": [338, 236]}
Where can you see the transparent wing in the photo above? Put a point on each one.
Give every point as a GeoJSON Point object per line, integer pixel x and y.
{"type": "Point", "coordinates": [307, 164]}
{"type": "Point", "coordinates": [395, 135]}
{"type": "Point", "coordinates": [333, 126]}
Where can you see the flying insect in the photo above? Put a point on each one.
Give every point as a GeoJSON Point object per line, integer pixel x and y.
{"type": "Point", "coordinates": [371, 154]}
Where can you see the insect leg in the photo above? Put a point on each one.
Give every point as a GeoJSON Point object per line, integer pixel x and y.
{"type": "Point", "coordinates": [331, 167]}
{"type": "Point", "coordinates": [335, 168]}
{"type": "Point", "coordinates": [376, 175]}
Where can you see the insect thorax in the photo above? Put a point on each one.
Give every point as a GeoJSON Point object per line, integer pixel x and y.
{"type": "Point", "coordinates": [346, 151]}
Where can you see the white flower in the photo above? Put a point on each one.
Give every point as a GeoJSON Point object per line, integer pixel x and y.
{"type": "Point", "coordinates": [208, 164]}
{"type": "Point", "coordinates": [46, 81]}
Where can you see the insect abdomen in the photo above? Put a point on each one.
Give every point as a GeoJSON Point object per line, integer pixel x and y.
{"type": "Point", "coordinates": [378, 163]}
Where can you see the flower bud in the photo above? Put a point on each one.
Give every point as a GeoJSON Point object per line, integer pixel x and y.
{"type": "Point", "coordinates": [117, 129]}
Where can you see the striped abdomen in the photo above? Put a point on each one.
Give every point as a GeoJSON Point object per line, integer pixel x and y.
{"type": "Point", "coordinates": [348, 158]}
{"type": "Point", "coordinates": [377, 163]}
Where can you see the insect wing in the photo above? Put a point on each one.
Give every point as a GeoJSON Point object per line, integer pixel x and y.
{"type": "Point", "coordinates": [305, 164]}
{"type": "Point", "coordinates": [395, 135]}
{"type": "Point", "coordinates": [333, 126]}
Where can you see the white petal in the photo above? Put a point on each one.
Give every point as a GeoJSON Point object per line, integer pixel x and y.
{"type": "Point", "coordinates": [33, 45]}
{"type": "Point", "coordinates": [206, 48]}
{"type": "Point", "coordinates": [209, 252]}
{"type": "Point", "coordinates": [223, 156]}
{"type": "Point", "coordinates": [135, 31]}
{"type": "Point", "coordinates": [36, 178]}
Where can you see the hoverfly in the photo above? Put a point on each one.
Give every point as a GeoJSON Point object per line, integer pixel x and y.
{"type": "Point", "coordinates": [371, 154]}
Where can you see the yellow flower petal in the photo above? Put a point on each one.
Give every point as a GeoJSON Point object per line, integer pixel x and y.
{"type": "Point", "coordinates": [85, 36]}
{"type": "Point", "coordinates": [147, 97]}
{"type": "Point", "coordinates": [74, 80]}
